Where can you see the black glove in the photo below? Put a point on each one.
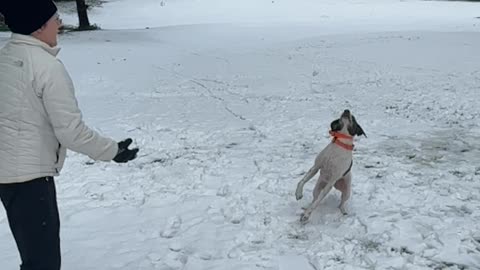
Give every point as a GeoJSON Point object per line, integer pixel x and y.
{"type": "Point", "coordinates": [124, 154]}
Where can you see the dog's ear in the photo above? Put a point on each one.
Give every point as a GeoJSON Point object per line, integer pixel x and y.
{"type": "Point", "coordinates": [356, 129]}
{"type": "Point", "coordinates": [336, 125]}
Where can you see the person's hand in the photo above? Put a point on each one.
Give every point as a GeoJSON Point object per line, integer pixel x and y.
{"type": "Point", "coordinates": [124, 154]}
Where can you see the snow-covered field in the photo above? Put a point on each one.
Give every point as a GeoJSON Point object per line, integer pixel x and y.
{"type": "Point", "coordinates": [231, 101]}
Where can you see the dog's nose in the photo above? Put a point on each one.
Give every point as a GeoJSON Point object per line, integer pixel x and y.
{"type": "Point", "coordinates": [346, 113]}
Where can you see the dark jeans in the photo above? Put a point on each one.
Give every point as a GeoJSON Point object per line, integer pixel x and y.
{"type": "Point", "coordinates": [33, 217]}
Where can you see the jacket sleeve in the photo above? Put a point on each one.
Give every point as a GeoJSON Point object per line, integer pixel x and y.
{"type": "Point", "coordinates": [66, 118]}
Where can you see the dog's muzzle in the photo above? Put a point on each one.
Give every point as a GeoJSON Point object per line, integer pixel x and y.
{"type": "Point", "coordinates": [346, 113]}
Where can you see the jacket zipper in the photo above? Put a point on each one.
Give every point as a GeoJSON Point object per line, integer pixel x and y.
{"type": "Point", "coordinates": [58, 156]}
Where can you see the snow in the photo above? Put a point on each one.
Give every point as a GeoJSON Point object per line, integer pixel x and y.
{"type": "Point", "coordinates": [230, 102]}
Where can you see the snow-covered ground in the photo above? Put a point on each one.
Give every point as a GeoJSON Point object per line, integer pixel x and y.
{"type": "Point", "coordinates": [231, 101]}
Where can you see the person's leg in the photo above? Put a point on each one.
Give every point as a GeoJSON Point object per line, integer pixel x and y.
{"type": "Point", "coordinates": [34, 221]}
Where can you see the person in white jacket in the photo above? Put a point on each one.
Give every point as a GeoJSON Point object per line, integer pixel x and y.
{"type": "Point", "coordinates": [39, 120]}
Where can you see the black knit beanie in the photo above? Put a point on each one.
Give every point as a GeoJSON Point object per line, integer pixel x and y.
{"type": "Point", "coordinates": [27, 16]}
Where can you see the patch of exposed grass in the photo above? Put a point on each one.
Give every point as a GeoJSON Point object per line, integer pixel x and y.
{"type": "Point", "coordinates": [4, 28]}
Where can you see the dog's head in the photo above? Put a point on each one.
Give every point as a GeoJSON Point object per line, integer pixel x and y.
{"type": "Point", "coordinates": [347, 124]}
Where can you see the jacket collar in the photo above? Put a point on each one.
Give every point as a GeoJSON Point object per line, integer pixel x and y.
{"type": "Point", "coordinates": [29, 40]}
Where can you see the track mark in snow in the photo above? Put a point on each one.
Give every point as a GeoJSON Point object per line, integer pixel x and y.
{"type": "Point", "coordinates": [209, 91]}
{"type": "Point", "coordinates": [172, 227]}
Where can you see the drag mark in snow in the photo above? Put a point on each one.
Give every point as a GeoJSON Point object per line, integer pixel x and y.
{"type": "Point", "coordinates": [209, 91]}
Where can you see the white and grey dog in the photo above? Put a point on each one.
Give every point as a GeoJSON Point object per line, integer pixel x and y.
{"type": "Point", "coordinates": [335, 164]}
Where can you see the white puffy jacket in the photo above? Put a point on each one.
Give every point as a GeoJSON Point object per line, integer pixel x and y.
{"type": "Point", "coordinates": [39, 114]}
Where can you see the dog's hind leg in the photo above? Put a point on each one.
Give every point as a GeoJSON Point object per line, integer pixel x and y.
{"type": "Point", "coordinates": [323, 192]}
{"type": "Point", "coordinates": [345, 186]}
{"type": "Point", "coordinates": [311, 173]}
{"type": "Point", "coordinates": [318, 188]}
{"type": "Point", "coordinates": [316, 191]}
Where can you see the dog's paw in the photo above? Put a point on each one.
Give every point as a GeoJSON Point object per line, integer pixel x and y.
{"type": "Point", "coordinates": [304, 218]}
{"type": "Point", "coordinates": [298, 194]}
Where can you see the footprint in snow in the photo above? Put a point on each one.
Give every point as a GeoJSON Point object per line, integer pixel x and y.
{"type": "Point", "coordinates": [224, 191]}
{"type": "Point", "coordinates": [172, 227]}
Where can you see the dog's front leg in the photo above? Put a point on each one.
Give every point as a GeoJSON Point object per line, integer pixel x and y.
{"type": "Point", "coordinates": [311, 173]}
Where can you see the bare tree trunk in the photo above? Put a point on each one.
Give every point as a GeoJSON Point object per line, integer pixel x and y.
{"type": "Point", "coordinates": [84, 23]}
